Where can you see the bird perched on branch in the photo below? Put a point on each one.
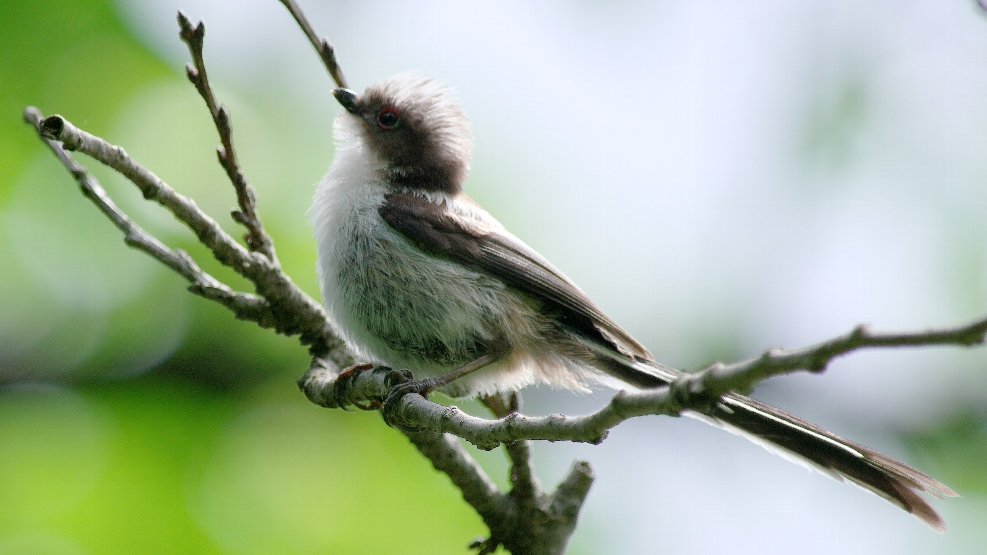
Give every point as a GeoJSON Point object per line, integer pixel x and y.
{"type": "Point", "coordinates": [416, 275]}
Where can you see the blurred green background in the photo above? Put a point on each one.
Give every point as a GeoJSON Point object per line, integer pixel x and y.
{"type": "Point", "coordinates": [135, 418]}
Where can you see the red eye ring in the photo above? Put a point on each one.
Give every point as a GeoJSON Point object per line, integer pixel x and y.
{"type": "Point", "coordinates": [388, 118]}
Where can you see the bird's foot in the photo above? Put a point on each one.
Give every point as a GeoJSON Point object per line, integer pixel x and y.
{"type": "Point", "coordinates": [406, 387]}
{"type": "Point", "coordinates": [342, 383]}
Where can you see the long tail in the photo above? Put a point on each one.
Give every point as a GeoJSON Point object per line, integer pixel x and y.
{"type": "Point", "coordinates": [794, 438]}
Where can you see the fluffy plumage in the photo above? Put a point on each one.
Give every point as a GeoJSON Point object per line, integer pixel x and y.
{"type": "Point", "coordinates": [416, 275]}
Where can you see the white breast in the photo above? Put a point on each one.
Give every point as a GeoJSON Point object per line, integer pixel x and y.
{"type": "Point", "coordinates": [391, 302]}
{"type": "Point", "coordinates": [401, 307]}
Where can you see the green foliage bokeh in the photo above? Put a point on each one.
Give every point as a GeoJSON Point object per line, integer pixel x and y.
{"type": "Point", "coordinates": [137, 418]}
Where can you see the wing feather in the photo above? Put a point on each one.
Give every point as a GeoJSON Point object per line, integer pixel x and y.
{"type": "Point", "coordinates": [437, 229]}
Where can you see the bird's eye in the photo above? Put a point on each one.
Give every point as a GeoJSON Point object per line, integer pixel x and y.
{"type": "Point", "coordinates": [388, 118]}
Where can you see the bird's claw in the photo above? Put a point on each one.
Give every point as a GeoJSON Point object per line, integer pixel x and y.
{"type": "Point", "coordinates": [398, 391]}
{"type": "Point", "coordinates": [342, 382]}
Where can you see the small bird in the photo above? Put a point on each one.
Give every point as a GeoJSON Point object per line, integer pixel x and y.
{"type": "Point", "coordinates": [416, 275]}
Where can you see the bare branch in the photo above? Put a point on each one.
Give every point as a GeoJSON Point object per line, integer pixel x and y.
{"type": "Point", "coordinates": [744, 375]}
{"type": "Point", "coordinates": [256, 238]}
{"type": "Point", "coordinates": [525, 484]}
{"type": "Point", "coordinates": [523, 520]}
{"type": "Point", "coordinates": [526, 520]}
{"type": "Point", "coordinates": [525, 487]}
{"type": "Point", "coordinates": [568, 499]}
{"type": "Point", "coordinates": [414, 411]}
{"type": "Point", "coordinates": [244, 305]}
{"type": "Point", "coordinates": [322, 46]}
{"type": "Point", "coordinates": [417, 413]}
{"type": "Point", "coordinates": [294, 312]}
{"type": "Point", "coordinates": [207, 230]}
{"type": "Point", "coordinates": [541, 524]}
{"type": "Point", "coordinates": [571, 493]}
{"type": "Point", "coordinates": [449, 457]}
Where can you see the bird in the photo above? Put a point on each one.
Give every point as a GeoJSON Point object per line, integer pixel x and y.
{"type": "Point", "coordinates": [416, 275]}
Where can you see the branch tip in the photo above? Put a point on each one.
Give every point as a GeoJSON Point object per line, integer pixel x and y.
{"type": "Point", "coordinates": [51, 127]}
{"type": "Point", "coordinates": [862, 331]}
{"type": "Point", "coordinates": [223, 119]}
{"type": "Point", "coordinates": [322, 46]}
{"type": "Point", "coordinates": [31, 115]}
{"type": "Point", "coordinates": [256, 238]}
{"type": "Point", "coordinates": [188, 32]}
{"type": "Point", "coordinates": [309, 320]}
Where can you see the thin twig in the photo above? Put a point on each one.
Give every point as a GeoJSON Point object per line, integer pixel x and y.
{"type": "Point", "coordinates": [206, 229]}
{"type": "Point", "coordinates": [568, 500]}
{"type": "Point", "coordinates": [324, 48]}
{"type": "Point", "coordinates": [524, 521]}
{"type": "Point", "coordinates": [244, 305]}
{"type": "Point", "coordinates": [525, 487]}
{"type": "Point", "coordinates": [742, 376]}
{"type": "Point", "coordinates": [256, 238]}
{"type": "Point", "coordinates": [294, 312]}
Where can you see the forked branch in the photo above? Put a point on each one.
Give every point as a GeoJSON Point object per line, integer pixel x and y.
{"type": "Point", "coordinates": [288, 309]}
{"type": "Point", "coordinates": [526, 519]}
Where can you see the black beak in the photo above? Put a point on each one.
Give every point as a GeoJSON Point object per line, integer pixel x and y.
{"type": "Point", "coordinates": [347, 99]}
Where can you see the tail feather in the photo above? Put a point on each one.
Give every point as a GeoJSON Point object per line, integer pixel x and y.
{"type": "Point", "coordinates": [804, 442]}
{"type": "Point", "coordinates": [835, 456]}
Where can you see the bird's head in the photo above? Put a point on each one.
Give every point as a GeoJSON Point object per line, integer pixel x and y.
{"type": "Point", "coordinates": [415, 128]}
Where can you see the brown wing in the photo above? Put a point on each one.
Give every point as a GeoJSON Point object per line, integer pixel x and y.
{"type": "Point", "coordinates": [434, 229]}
